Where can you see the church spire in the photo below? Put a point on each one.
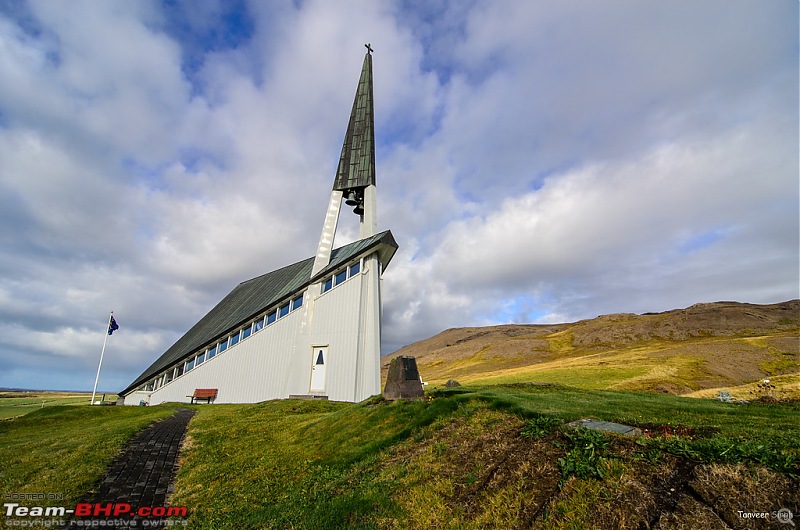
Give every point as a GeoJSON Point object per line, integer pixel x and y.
{"type": "Point", "coordinates": [355, 176]}
{"type": "Point", "coordinates": [356, 168]}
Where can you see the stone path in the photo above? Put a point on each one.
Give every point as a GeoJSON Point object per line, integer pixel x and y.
{"type": "Point", "coordinates": [142, 474]}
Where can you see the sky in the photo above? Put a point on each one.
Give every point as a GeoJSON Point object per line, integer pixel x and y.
{"type": "Point", "coordinates": [537, 162]}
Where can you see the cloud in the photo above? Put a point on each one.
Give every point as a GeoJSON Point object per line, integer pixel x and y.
{"type": "Point", "coordinates": [606, 213]}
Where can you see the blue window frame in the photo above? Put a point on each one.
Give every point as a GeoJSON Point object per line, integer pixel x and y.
{"type": "Point", "coordinates": [340, 277]}
{"type": "Point", "coordinates": [355, 268]}
{"type": "Point", "coordinates": [272, 317]}
{"type": "Point", "coordinates": [212, 351]}
{"type": "Point", "coordinates": [234, 339]}
{"type": "Point", "coordinates": [284, 310]}
{"type": "Point", "coordinates": [297, 302]}
{"type": "Point", "coordinates": [200, 359]}
{"type": "Point", "coordinates": [328, 285]}
{"type": "Point", "coordinates": [246, 332]}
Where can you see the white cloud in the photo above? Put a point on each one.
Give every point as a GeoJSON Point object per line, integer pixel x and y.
{"type": "Point", "coordinates": [605, 213]}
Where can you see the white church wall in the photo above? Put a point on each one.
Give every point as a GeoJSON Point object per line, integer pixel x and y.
{"type": "Point", "coordinates": [369, 383]}
{"type": "Point", "coordinates": [336, 323]}
{"type": "Point", "coordinates": [253, 370]}
{"type": "Point", "coordinates": [135, 398]}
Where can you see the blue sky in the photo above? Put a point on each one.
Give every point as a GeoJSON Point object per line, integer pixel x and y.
{"type": "Point", "coordinates": [537, 162]}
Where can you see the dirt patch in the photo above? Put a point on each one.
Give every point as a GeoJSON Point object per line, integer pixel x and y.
{"type": "Point", "coordinates": [690, 514]}
{"type": "Point", "coordinates": [670, 388]}
{"type": "Point", "coordinates": [479, 471]}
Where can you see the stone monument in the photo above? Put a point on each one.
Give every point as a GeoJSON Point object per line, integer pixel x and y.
{"type": "Point", "coordinates": [403, 380]}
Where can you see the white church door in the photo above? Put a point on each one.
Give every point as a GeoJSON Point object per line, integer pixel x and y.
{"type": "Point", "coordinates": [319, 361]}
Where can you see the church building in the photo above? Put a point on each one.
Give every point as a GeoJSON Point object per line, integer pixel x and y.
{"type": "Point", "coordinates": [310, 329]}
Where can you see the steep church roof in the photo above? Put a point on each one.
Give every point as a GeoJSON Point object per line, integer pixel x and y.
{"type": "Point", "coordinates": [258, 294]}
{"type": "Point", "coordinates": [357, 163]}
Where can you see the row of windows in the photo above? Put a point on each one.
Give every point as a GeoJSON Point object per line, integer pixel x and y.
{"type": "Point", "coordinates": [341, 276]}
{"type": "Point", "coordinates": [228, 342]}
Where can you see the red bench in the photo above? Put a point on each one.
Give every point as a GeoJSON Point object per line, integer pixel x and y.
{"type": "Point", "coordinates": [204, 393]}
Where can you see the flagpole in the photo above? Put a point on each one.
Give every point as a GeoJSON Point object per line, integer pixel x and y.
{"type": "Point", "coordinates": [103, 351]}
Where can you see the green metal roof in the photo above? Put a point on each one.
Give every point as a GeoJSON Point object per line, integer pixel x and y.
{"type": "Point", "coordinates": [255, 296]}
{"type": "Point", "coordinates": [357, 163]}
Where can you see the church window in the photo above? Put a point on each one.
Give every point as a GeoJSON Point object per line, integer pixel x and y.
{"type": "Point", "coordinates": [179, 370]}
{"type": "Point", "coordinates": [284, 310]}
{"type": "Point", "coordinates": [212, 351]}
{"type": "Point", "coordinates": [355, 268]}
{"type": "Point", "coordinates": [297, 302]}
{"type": "Point", "coordinates": [149, 386]}
{"type": "Point", "coordinates": [271, 317]}
{"type": "Point", "coordinates": [190, 364]}
{"type": "Point", "coordinates": [170, 375]}
{"type": "Point", "coordinates": [200, 359]}
{"type": "Point", "coordinates": [328, 285]}
{"type": "Point", "coordinates": [257, 325]}
{"type": "Point", "coordinates": [223, 345]}
{"type": "Point", "coordinates": [341, 277]}
{"type": "Point", "coordinates": [246, 332]}
{"type": "Point", "coordinates": [234, 339]}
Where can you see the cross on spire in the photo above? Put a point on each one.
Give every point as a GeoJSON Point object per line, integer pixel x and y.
{"type": "Point", "coordinates": [369, 48]}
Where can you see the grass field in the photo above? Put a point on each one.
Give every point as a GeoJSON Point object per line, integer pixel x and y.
{"type": "Point", "coordinates": [471, 457]}
{"type": "Point", "coordinates": [14, 404]}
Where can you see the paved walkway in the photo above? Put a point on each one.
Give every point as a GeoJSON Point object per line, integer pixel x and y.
{"type": "Point", "coordinates": [142, 473]}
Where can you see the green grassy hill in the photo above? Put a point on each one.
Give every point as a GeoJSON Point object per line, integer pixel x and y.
{"type": "Point", "coordinates": [723, 345]}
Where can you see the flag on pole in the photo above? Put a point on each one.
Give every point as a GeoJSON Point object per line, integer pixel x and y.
{"type": "Point", "coordinates": [112, 326]}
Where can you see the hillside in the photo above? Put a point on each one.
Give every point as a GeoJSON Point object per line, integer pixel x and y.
{"type": "Point", "coordinates": [718, 345]}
